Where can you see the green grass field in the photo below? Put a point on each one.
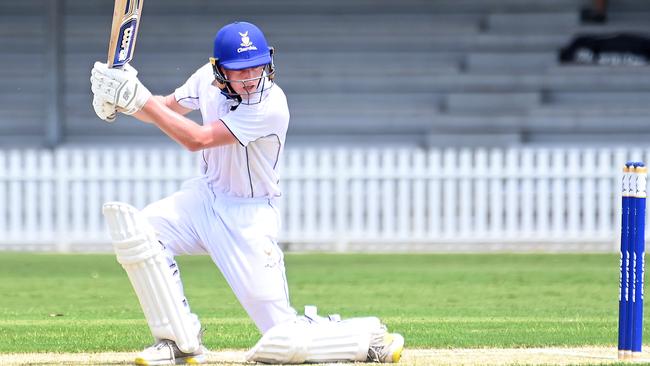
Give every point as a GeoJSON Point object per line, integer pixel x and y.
{"type": "Point", "coordinates": [84, 303]}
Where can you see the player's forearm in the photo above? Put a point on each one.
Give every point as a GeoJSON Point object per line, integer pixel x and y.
{"type": "Point", "coordinates": [180, 128]}
{"type": "Point", "coordinates": [143, 116]}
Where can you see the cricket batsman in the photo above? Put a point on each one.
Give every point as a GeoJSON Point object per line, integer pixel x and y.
{"type": "Point", "coordinates": [229, 212]}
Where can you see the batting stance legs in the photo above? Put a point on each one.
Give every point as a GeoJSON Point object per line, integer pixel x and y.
{"type": "Point", "coordinates": [239, 235]}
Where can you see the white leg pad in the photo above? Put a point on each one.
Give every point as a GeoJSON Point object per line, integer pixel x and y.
{"type": "Point", "coordinates": [304, 341]}
{"type": "Point", "coordinates": [142, 256]}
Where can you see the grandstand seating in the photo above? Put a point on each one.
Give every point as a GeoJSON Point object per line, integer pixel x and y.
{"type": "Point", "coordinates": [427, 72]}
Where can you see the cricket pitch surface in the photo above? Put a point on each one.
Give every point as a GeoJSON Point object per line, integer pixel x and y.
{"type": "Point", "coordinates": [484, 356]}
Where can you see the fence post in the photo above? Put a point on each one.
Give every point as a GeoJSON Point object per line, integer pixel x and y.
{"type": "Point", "coordinates": [342, 173]}
{"type": "Point", "coordinates": [420, 176]}
{"type": "Point", "coordinates": [497, 195]}
{"type": "Point", "coordinates": [78, 203]}
{"type": "Point", "coordinates": [465, 172]}
{"type": "Point", "coordinates": [61, 211]}
{"type": "Point", "coordinates": [16, 204]}
{"type": "Point", "coordinates": [572, 194]}
{"type": "Point", "coordinates": [357, 186]}
{"type": "Point", "coordinates": [450, 194]}
{"type": "Point", "coordinates": [373, 196]}
{"type": "Point", "coordinates": [527, 172]}
{"type": "Point", "coordinates": [327, 196]}
{"type": "Point", "coordinates": [589, 208]}
{"type": "Point", "coordinates": [434, 174]}
{"type": "Point", "coordinates": [558, 201]}
{"type": "Point", "coordinates": [542, 194]}
{"type": "Point", "coordinates": [294, 195]}
{"type": "Point", "coordinates": [606, 215]}
{"type": "Point", "coordinates": [46, 191]}
{"type": "Point", "coordinates": [480, 195]}
{"type": "Point", "coordinates": [403, 194]}
{"type": "Point", "coordinates": [388, 191]}
{"type": "Point", "coordinates": [310, 212]}
{"type": "Point", "coordinates": [30, 205]}
{"type": "Point", "coordinates": [512, 195]}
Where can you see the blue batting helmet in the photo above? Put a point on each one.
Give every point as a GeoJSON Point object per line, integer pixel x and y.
{"type": "Point", "coordinates": [238, 46]}
{"type": "Point", "coordinates": [241, 45]}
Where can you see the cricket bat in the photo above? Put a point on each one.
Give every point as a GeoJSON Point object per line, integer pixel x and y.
{"type": "Point", "coordinates": [124, 31]}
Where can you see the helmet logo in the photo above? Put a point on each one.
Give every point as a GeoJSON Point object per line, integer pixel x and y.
{"type": "Point", "coordinates": [245, 41]}
{"type": "Point", "coordinates": [246, 44]}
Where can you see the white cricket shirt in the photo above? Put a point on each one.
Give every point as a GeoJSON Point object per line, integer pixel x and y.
{"type": "Point", "coordinates": [251, 167]}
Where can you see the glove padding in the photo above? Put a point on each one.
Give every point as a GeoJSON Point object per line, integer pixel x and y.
{"type": "Point", "coordinates": [119, 87]}
{"type": "Point", "coordinates": [104, 109]}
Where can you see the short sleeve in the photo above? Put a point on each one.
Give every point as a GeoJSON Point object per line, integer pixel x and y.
{"type": "Point", "coordinates": [188, 94]}
{"type": "Point", "coordinates": [251, 122]}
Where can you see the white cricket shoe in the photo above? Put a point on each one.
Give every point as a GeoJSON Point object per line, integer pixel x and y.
{"type": "Point", "coordinates": [165, 352]}
{"type": "Point", "coordinates": [387, 349]}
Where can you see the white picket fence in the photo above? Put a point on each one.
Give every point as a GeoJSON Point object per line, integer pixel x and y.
{"type": "Point", "coordinates": [557, 199]}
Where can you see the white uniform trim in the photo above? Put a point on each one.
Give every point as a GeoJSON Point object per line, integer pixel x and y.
{"type": "Point", "coordinates": [250, 168]}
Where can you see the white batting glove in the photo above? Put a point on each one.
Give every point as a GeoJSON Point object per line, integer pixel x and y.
{"type": "Point", "coordinates": [104, 109]}
{"type": "Point", "coordinates": [119, 87]}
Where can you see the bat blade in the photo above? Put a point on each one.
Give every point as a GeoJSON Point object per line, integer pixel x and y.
{"type": "Point", "coordinates": [124, 31]}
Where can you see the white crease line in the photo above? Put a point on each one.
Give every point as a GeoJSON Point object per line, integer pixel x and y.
{"type": "Point", "coordinates": [583, 355]}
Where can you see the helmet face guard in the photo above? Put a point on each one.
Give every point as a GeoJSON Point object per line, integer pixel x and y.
{"type": "Point", "coordinates": [240, 46]}
{"type": "Point", "coordinates": [264, 81]}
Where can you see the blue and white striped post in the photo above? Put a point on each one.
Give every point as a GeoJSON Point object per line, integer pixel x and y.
{"type": "Point", "coordinates": [631, 244]}
{"type": "Point", "coordinates": [632, 262]}
{"type": "Point", "coordinates": [639, 195]}
{"type": "Point", "coordinates": [624, 261]}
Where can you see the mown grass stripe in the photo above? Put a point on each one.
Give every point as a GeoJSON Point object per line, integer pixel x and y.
{"type": "Point", "coordinates": [435, 301]}
{"type": "Point", "coordinates": [60, 320]}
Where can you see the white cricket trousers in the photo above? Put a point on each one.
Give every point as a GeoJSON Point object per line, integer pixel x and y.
{"type": "Point", "coordinates": [239, 234]}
